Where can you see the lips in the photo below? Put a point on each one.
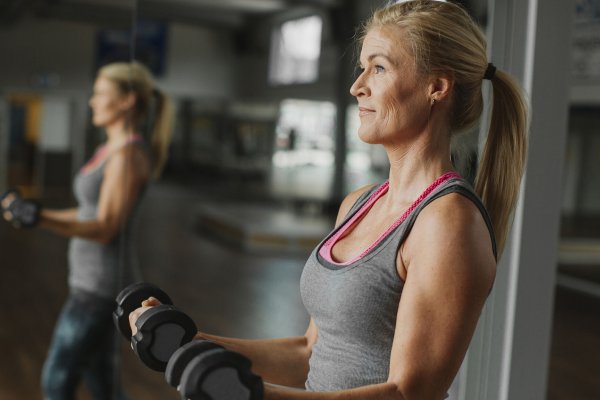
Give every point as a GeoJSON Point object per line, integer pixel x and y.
{"type": "Point", "coordinates": [364, 111]}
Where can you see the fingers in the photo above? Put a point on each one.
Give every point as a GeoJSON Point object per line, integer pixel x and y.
{"type": "Point", "coordinates": [6, 202]}
{"type": "Point", "coordinates": [150, 302]}
{"type": "Point", "coordinates": [8, 199]}
{"type": "Point", "coordinates": [7, 215]}
{"type": "Point", "coordinates": [135, 314]}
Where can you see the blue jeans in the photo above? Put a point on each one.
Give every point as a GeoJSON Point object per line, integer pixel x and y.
{"type": "Point", "coordinates": [84, 348]}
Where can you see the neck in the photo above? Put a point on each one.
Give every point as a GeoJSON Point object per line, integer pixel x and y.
{"type": "Point", "coordinates": [118, 132]}
{"type": "Point", "coordinates": [416, 164]}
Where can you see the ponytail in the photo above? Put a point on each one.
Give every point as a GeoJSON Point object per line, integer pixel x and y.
{"type": "Point", "coordinates": [161, 132]}
{"type": "Point", "coordinates": [503, 160]}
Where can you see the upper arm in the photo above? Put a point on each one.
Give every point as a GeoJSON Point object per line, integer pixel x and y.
{"type": "Point", "coordinates": [125, 174]}
{"type": "Point", "coordinates": [450, 268]}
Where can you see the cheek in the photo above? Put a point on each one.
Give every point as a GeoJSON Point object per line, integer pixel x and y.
{"type": "Point", "coordinates": [107, 107]}
{"type": "Point", "coordinates": [394, 112]}
{"type": "Point", "coordinates": [406, 112]}
{"type": "Point", "coordinates": [103, 111]}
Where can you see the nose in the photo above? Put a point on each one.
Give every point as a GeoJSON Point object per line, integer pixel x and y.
{"type": "Point", "coordinates": [359, 88]}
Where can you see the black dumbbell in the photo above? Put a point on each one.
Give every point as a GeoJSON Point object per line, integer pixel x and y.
{"type": "Point", "coordinates": [182, 357]}
{"type": "Point", "coordinates": [214, 373]}
{"type": "Point", "coordinates": [21, 213]}
{"type": "Point", "coordinates": [161, 330]}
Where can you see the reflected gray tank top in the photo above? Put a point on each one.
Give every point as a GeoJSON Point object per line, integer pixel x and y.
{"type": "Point", "coordinates": [102, 269]}
{"type": "Point", "coordinates": [354, 306]}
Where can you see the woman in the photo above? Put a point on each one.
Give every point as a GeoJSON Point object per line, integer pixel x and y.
{"type": "Point", "coordinates": [108, 189]}
{"type": "Point", "coordinates": [395, 291]}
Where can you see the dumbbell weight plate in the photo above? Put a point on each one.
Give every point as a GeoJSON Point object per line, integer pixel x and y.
{"type": "Point", "coordinates": [220, 375]}
{"type": "Point", "coordinates": [161, 330]}
{"type": "Point", "coordinates": [131, 298]}
{"type": "Point", "coordinates": [182, 357]}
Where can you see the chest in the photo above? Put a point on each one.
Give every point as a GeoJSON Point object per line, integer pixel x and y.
{"type": "Point", "coordinates": [341, 300]}
{"type": "Point", "coordinates": [366, 231]}
{"type": "Point", "coordinates": [86, 186]}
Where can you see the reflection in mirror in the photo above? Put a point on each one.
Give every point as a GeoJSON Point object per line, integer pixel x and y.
{"type": "Point", "coordinates": [60, 292]}
{"type": "Point", "coordinates": [247, 189]}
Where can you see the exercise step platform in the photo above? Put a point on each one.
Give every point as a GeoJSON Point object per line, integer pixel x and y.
{"type": "Point", "coordinates": [262, 228]}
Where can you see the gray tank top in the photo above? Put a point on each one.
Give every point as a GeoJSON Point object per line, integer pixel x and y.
{"type": "Point", "coordinates": [355, 306]}
{"type": "Point", "coordinates": [102, 269]}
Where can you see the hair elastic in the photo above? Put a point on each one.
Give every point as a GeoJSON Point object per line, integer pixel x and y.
{"type": "Point", "coordinates": [490, 71]}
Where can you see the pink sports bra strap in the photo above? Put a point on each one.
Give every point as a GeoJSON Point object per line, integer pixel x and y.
{"type": "Point", "coordinates": [101, 153]}
{"type": "Point", "coordinates": [326, 248]}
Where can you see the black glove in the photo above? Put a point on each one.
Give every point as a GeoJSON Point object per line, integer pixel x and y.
{"type": "Point", "coordinates": [21, 213]}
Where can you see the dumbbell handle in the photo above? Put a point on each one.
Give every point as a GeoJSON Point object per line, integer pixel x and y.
{"type": "Point", "coordinates": [161, 330]}
{"type": "Point", "coordinates": [131, 298]}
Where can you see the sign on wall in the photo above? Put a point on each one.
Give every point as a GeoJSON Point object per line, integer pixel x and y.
{"type": "Point", "coordinates": [585, 67]}
{"type": "Point", "coordinates": [150, 46]}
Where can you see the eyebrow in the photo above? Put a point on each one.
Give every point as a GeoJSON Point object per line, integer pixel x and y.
{"type": "Point", "coordinates": [372, 56]}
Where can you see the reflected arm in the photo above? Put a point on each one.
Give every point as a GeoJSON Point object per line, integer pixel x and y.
{"type": "Point", "coordinates": [125, 174]}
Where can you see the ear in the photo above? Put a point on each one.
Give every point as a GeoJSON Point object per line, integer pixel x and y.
{"type": "Point", "coordinates": [129, 100]}
{"type": "Point", "coordinates": [440, 87]}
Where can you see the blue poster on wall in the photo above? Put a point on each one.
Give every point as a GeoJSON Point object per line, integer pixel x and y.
{"type": "Point", "coordinates": [585, 53]}
{"type": "Point", "coordinates": [149, 46]}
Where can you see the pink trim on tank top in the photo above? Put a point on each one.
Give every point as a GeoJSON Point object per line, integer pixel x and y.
{"type": "Point", "coordinates": [325, 250]}
{"type": "Point", "coordinates": [100, 153]}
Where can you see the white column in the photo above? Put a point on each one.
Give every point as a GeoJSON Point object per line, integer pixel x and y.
{"type": "Point", "coordinates": [508, 359]}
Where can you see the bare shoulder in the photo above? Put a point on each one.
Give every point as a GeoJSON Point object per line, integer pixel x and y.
{"type": "Point", "coordinates": [132, 159]}
{"type": "Point", "coordinates": [452, 211]}
{"type": "Point", "coordinates": [451, 235]}
{"type": "Point", "coordinates": [349, 201]}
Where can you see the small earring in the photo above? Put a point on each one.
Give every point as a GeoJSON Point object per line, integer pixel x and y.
{"type": "Point", "coordinates": [433, 102]}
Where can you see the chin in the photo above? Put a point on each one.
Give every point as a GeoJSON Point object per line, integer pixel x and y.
{"type": "Point", "coordinates": [367, 137]}
{"type": "Point", "coordinates": [100, 122]}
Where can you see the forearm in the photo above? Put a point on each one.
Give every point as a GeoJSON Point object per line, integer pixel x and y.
{"type": "Point", "coordinates": [65, 223]}
{"type": "Point", "coordinates": [65, 215]}
{"type": "Point", "coordinates": [279, 361]}
{"type": "Point", "coordinates": [382, 391]}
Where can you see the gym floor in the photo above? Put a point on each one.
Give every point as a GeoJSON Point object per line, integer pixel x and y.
{"type": "Point", "coordinates": [228, 289]}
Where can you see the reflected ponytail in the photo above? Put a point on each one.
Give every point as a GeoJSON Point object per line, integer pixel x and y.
{"type": "Point", "coordinates": [151, 106]}
{"type": "Point", "coordinates": [161, 132]}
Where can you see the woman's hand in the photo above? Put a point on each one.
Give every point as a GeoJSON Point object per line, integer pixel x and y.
{"type": "Point", "coordinates": [135, 314]}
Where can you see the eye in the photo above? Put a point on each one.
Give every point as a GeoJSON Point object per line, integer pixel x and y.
{"type": "Point", "coordinates": [379, 69]}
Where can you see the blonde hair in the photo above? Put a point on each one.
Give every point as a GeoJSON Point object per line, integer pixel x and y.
{"type": "Point", "coordinates": [445, 40]}
{"type": "Point", "coordinates": [133, 77]}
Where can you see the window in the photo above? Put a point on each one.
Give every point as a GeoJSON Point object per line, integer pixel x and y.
{"type": "Point", "coordinates": [295, 51]}
{"type": "Point", "coordinates": [305, 133]}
